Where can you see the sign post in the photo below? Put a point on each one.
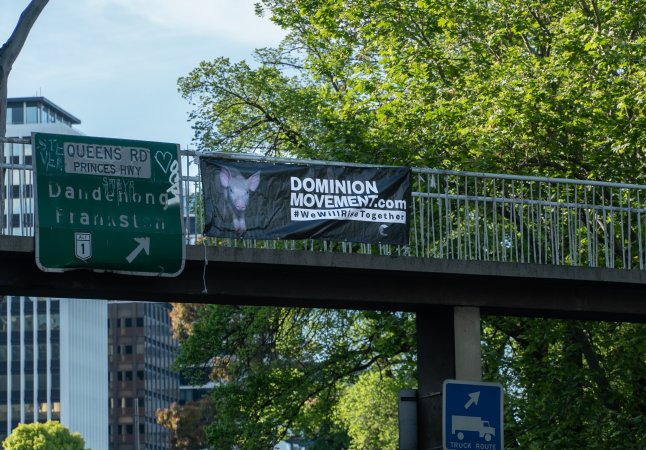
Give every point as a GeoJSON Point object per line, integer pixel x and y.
{"type": "Point", "coordinates": [472, 415]}
{"type": "Point", "coordinates": [108, 205]}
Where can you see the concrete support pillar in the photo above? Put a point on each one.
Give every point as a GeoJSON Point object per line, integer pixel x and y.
{"type": "Point", "coordinates": [468, 356]}
{"type": "Point", "coordinates": [448, 347]}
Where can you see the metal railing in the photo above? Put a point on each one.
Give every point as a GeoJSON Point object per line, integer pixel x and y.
{"type": "Point", "coordinates": [455, 215]}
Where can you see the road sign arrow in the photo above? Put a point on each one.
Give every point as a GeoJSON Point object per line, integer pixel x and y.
{"type": "Point", "coordinates": [143, 245]}
{"type": "Point", "coordinates": [473, 399]}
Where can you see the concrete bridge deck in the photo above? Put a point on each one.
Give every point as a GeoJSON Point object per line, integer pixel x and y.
{"type": "Point", "coordinates": [340, 280]}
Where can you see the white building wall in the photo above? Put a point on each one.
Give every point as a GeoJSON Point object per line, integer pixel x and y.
{"type": "Point", "coordinates": [25, 130]}
{"type": "Point", "coordinates": [84, 369]}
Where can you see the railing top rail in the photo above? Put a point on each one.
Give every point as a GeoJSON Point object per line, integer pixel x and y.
{"type": "Point", "coordinates": [417, 170]}
{"type": "Point", "coordinates": [273, 159]}
{"type": "Point", "coordinates": [530, 178]}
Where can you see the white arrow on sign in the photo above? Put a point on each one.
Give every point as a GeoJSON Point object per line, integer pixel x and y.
{"type": "Point", "coordinates": [143, 245]}
{"type": "Point", "coordinates": [473, 399]}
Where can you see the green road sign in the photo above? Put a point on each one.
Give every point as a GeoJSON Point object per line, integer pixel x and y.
{"type": "Point", "coordinates": [108, 205]}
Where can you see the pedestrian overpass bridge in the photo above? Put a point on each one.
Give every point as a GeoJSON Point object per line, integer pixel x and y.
{"type": "Point", "coordinates": [506, 244]}
{"type": "Point", "coordinates": [480, 244]}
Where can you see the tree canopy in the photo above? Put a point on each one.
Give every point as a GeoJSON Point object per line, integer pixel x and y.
{"type": "Point", "coordinates": [43, 436]}
{"type": "Point", "coordinates": [526, 87]}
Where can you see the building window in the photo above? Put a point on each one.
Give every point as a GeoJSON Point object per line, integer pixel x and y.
{"type": "Point", "coordinates": [17, 114]}
{"type": "Point", "coordinates": [124, 349]}
{"type": "Point", "coordinates": [32, 112]}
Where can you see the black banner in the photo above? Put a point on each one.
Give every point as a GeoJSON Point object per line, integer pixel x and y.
{"type": "Point", "coordinates": [263, 200]}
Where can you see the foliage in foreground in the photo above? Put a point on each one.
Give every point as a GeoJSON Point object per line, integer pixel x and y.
{"type": "Point", "coordinates": [43, 436]}
{"type": "Point", "coordinates": [330, 378]}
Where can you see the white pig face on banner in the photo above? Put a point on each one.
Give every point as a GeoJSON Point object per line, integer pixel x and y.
{"type": "Point", "coordinates": [236, 193]}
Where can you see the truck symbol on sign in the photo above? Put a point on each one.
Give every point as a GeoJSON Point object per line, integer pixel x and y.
{"type": "Point", "coordinates": [460, 424]}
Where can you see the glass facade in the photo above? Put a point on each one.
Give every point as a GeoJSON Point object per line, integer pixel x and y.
{"type": "Point", "coordinates": [29, 361]}
{"type": "Point", "coordinates": [36, 111]}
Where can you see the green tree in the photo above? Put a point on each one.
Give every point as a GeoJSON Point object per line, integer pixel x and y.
{"type": "Point", "coordinates": [570, 384]}
{"type": "Point", "coordinates": [367, 408]}
{"type": "Point", "coordinates": [526, 87]}
{"type": "Point", "coordinates": [279, 372]}
{"type": "Point", "coordinates": [186, 423]}
{"type": "Point", "coordinates": [539, 88]}
{"type": "Point", "coordinates": [43, 436]}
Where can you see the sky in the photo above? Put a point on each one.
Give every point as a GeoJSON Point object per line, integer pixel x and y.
{"type": "Point", "coordinates": [114, 64]}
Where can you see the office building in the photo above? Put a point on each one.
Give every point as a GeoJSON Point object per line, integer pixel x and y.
{"type": "Point", "coordinates": [142, 351]}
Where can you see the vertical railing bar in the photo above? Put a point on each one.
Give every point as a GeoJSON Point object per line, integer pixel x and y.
{"type": "Point", "coordinates": [568, 241]}
{"type": "Point", "coordinates": [551, 228]}
{"type": "Point", "coordinates": [607, 228]}
{"type": "Point", "coordinates": [525, 248]}
{"type": "Point", "coordinates": [570, 223]}
{"type": "Point", "coordinates": [458, 216]}
{"type": "Point", "coordinates": [415, 231]}
{"type": "Point", "coordinates": [485, 222]}
{"type": "Point", "coordinates": [622, 246]}
{"type": "Point", "coordinates": [513, 227]}
{"type": "Point", "coordinates": [539, 225]}
{"type": "Point", "coordinates": [587, 226]}
{"type": "Point", "coordinates": [611, 236]}
{"type": "Point", "coordinates": [559, 225]}
{"type": "Point", "coordinates": [422, 227]}
{"type": "Point", "coordinates": [595, 228]}
{"type": "Point", "coordinates": [447, 209]}
{"type": "Point", "coordinates": [639, 232]}
{"type": "Point", "coordinates": [431, 207]}
{"type": "Point", "coordinates": [629, 231]}
{"type": "Point", "coordinates": [579, 228]}
{"type": "Point", "coordinates": [478, 249]}
{"type": "Point", "coordinates": [441, 215]}
{"type": "Point", "coordinates": [467, 219]}
{"type": "Point", "coordinates": [494, 209]}
{"type": "Point", "coordinates": [572, 227]}
{"type": "Point", "coordinates": [503, 222]}
{"type": "Point", "coordinates": [532, 230]}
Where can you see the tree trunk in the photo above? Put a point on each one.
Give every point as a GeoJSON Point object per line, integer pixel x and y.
{"type": "Point", "coordinates": [8, 54]}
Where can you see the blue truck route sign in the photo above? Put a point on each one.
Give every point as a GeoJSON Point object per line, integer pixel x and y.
{"type": "Point", "coordinates": [472, 415]}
